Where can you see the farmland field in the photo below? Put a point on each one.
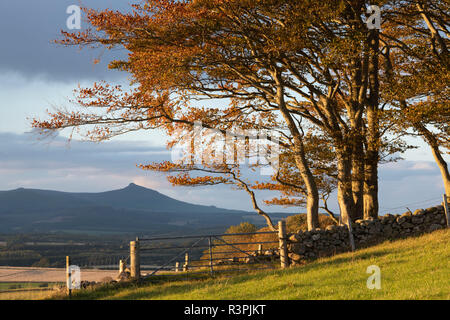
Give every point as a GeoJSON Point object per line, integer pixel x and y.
{"type": "Point", "coordinates": [39, 275]}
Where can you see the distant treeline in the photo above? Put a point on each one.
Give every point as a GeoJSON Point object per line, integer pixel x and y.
{"type": "Point", "coordinates": [50, 250]}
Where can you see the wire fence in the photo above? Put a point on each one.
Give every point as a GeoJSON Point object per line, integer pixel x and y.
{"type": "Point", "coordinates": [406, 206]}
{"type": "Point", "coordinates": [108, 262]}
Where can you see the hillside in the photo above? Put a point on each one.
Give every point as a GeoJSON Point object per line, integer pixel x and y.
{"type": "Point", "coordinates": [414, 268]}
{"type": "Point", "coordinates": [140, 198]}
{"type": "Point", "coordinates": [133, 209]}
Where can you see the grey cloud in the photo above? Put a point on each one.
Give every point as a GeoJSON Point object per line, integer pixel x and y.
{"type": "Point", "coordinates": [27, 29]}
{"type": "Point", "coordinates": [404, 169]}
{"type": "Point", "coordinates": [27, 162]}
{"type": "Point", "coordinates": [17, 149]}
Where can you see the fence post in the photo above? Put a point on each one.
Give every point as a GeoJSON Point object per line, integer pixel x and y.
{"type": "Point", "coordinates": [447, 213]}
{"type": "Point", "coordinates": [135, 264]}
{"type": "Point", "coordinates": [210, 256]}
{"type": "Point", "coordinates": [68, 277]}
{"type": "Point", "coordinates": [186, 262]}
{"type": "Point", "coordinates": [260, 249]}
{"type": "Point", "coordinates": [122, 266]}
{"type": "Point", "coordinates": [284, 259]}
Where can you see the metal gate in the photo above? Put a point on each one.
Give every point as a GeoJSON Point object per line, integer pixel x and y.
{"type": "Point", "coordinates": [208, 254]}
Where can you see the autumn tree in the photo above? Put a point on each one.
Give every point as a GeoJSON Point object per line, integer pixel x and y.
{"type": "Point", "coordinates": [286, 66]}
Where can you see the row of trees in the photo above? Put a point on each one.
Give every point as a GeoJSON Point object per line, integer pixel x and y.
{"type": "Point", "coordinates": [339, 95]}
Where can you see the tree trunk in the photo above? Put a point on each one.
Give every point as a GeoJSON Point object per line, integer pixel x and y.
{"type": "Point", "coordinates": [443, 168]}
{"type": "Point", "coordinates": [373, 131]}
{"type": "Point", "coordinates": [358, 86]}
{"type": "Point", "coordinates": [344, 185]}
{"type": "Point", "coordinates": [371, 206]}
{"type": "Point", "coordinates": [312, 199]}
{"type": "Point", "coordinates": [358, 178]}
{"type": "Point", "coordinates": [312, 193]}
{"type": "Point", "coordinates": [434, 145]}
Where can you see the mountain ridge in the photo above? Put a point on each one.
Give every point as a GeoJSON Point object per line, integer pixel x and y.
{"type": "Point", "coordinates": [130, 209]}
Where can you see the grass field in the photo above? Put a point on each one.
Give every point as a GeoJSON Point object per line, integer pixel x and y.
{"type": "Point", "coordinates": [26, 290]}
{"type": "Point", "coordinates": [19, 285]}
{"type": "Point", "coordinates": [414, 268]}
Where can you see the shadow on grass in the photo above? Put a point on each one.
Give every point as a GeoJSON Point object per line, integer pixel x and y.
{"type": "Point", "coordinates": [107, 290]}
{"type": "Point", "coordinates": [151, 292]}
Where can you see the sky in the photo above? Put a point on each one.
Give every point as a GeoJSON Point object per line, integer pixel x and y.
{"type": "Point", "coordinates": [36, 75]}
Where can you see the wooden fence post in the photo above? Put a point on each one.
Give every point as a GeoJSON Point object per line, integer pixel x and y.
{"type": "Point", "coordinates": [68, 277]}
{"type": "Point", "coordinates": [135, 263]}
{"type": "Point", "coordinates": [284, 259]}
{"type": "Point", "coordinates": [186, 262]}
{"type": "Point", "coordinates": [211, 265]}
{"type": "Point", "coordinates": [122, 266]}
{"type": "Point", "coordinates": [447, 213]}
{"type": "Point", "coordinates": [260, 249]}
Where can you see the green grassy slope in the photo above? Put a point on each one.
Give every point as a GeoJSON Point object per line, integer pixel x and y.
{"type": "Point", "coordinates": [415, 268]}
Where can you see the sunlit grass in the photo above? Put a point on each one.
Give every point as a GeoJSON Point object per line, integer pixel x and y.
{"type": "Point", "coordinates": [26, 290]}
{"type": "Point", "coordinates": [414, 268]}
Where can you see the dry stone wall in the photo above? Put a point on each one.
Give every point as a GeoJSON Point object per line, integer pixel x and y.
{"type": "Point", "coordinates": [304, 246]}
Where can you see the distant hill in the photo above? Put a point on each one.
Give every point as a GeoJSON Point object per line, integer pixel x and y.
{"type": "Point", "coordinates": [133, 209]}
{"type": "Point", "coordinates": [140, 198]}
